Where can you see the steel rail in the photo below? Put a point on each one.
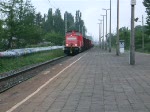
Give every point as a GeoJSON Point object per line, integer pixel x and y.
{"type": "Point", "coordinates": [9, 80]}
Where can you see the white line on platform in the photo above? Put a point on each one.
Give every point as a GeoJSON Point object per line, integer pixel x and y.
{"type": "Point", "coordinates": [41, 87]}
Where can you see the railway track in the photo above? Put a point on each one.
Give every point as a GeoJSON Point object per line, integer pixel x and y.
{"type": "Point", "coordinates": [8, 80]}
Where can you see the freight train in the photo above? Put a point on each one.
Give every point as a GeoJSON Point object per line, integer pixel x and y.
{"type": "Point", "coordinates": [76, 43]}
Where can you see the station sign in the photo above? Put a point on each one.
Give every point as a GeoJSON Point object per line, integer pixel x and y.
{"type": "Point", "coordinates": [121, 43]}
{"type": "Point", "coordinates": [121, 46]}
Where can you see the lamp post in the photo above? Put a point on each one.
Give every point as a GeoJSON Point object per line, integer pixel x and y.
{"type": "Point", "coordinates": [110, 30]}
{"type": "Point", "coordinates": [132, 38]}
{"type": "Point", "coordinates": [106, 29]}
{"type": "Point", "coordinates": [117, 40]}
{"type": "Point", "coordinates": [103, 33]}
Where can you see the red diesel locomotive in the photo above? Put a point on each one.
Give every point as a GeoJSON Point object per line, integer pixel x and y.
{"type": "Point", "coordinates": [76, 43]}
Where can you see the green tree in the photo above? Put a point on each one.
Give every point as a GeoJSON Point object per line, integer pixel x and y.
{"type": "Point", "coordinates": [30, 31]}
{"type": "Point", "coordinates": [54, 38]}
{"type": "Point", "coordinates": [39, 19]}
{"type": "Point", "coordinates": [19, 22]}
{"type": "Point", "coordinates": [48, 26]}
{"type": "Point", "coordinates": [138, 37]}
{"type": "Point", "coordinates": [1, 34]}
{"type": "Point", "coordinates": [70, 21]}
{"type": "Point", "coordinates": [54, 27]}
{"type": "Point", "coordinates": [10, 9]}
{"type": "Point", "coordinates": [146, 3]}
{"type": "Point", "coordinates": [22, 26]}
{"type": "Point", "coordinates": [79, 23]}
{"type": "Point", "coordinates": [58, 22]}
{"type": "Point", "coordinates": [125, 35]}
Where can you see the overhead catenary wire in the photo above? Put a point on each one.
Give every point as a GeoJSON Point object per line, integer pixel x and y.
{"type": "Point", "coordinates": [55, 7]}
{"type": "Point", "coordinates": [51, 4]}
{"type": "Point", "coordinates": [58, 6]}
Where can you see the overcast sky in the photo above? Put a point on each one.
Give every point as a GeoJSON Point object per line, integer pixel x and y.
{"type": "Point", "coordinates": [92, 11]}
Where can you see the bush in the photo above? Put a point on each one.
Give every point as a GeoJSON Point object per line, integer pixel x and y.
{"type": "Point", "coordinates": [55, 38]}
{"type": "Point", "coordinates": [147, 47]}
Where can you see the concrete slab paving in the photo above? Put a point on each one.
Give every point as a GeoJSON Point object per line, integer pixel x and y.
{"type": "Point", "coordinates": [98, 82]}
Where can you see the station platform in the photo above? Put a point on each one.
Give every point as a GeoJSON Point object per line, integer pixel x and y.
{"type": "Point", "coordinates": [95, 81]}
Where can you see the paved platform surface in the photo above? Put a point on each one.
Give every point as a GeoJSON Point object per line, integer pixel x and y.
{"type": "Point", "coordinates": [98, 82]}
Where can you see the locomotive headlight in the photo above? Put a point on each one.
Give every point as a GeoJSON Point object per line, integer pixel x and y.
{"type": "Point", "coordinates": [66, 44]}
{"type": "Point", "coordinates": [75, 44]}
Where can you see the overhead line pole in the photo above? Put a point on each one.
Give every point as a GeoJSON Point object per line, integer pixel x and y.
{"type": "Point", "coordinates": [100, 35]}
{"type": "Point", "coordinates": [117, 40]}
{"type": "Point", "coordinates": [82, 31]}
{"type": "Point", "coordinates": [110, 30]}
{"type": "Point", "coordinates": [66, 23]}
{"type": "Point", "coordinates": [103, 33]}
{"type": "Point", "coordinates": [132, 38]}
{"type": "Point", "coordinates": [100, 30]}
{"type": "Point", "coordinates": [79, 28]}
{"type": "Point", "coordinates": [106, 29]}
{"type": "Point", "coordinates": [142, 32]}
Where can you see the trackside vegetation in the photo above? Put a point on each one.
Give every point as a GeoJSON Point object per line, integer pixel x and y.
{"type": "Point", "coordinates": [14, 63]}
{"type": "Point", "coordinates": [125, 35]}
{"type": "Point", "coordinates": [142, 33]}
{"type": "Point", "coordinates": [22, 26]}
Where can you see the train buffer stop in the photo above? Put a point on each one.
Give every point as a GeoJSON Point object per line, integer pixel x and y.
{"type": "Point", "coordinates": [92, 81]}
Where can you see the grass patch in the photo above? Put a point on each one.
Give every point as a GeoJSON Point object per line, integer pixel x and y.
{"type": "Point", "coordinates": [13, 63]}
{"type": "Point", "coordinates": [141, 51]}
